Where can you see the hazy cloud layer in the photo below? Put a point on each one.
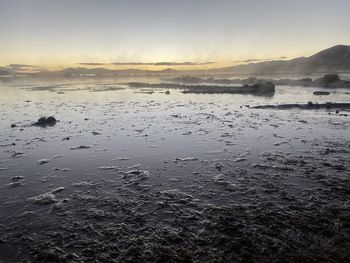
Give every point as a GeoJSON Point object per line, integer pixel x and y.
{"type": "Point", "coordinates": [20, 67]}
{"type": "Point", "coordinates": [258, 60]}
{"type": "Point", "coordinates": [148, 63]}
{"type": "Point", "coordinates": [92, 64]}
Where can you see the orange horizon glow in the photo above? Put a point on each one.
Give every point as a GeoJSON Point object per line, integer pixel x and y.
{"type": "Point", "coordinates": [53, 35]}
{"type": "Point", "coordinates": [37, 67]}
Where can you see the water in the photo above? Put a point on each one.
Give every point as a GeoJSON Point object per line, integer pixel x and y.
{"type": "Point", "coordinates": [163, 165]}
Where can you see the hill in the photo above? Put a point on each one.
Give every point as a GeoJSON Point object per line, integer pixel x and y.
{"type": "Point", "coordinates": [331, 59]}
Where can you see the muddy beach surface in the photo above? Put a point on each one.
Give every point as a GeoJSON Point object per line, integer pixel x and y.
{"type": "Point", "coordinates": [155, 175]}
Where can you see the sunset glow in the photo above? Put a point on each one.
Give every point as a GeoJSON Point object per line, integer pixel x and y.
{"type": "Point", "coordinates": [58, 34]}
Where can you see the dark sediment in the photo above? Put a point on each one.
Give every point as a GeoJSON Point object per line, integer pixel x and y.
{"type": "Point", "coordinates": [263, 89]}
{"type": "Point", "coordinates": [321, 93]}
{"type": "Point", "coordinates": [259, 89]}
{"type": "Point", "coordinates": [94, 224]}
{"type": "Point", "coordinates": [308, 106]}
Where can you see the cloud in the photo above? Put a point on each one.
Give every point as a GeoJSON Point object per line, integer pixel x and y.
{"type": "Point", "coordinates": [92, 64]}
{"type": "Point", "coordinates": [182, 63]}
{"type": "Point", "coordinates": [249, 60]}
{"type": "Point", "coordinates": [258, 60]}
{"type": "Point", "coordinates": [147, 63]}
{"type": "Point", "coordinates": [20, 66]}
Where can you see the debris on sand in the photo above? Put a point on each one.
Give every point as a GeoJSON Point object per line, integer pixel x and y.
{"type": "Point", "coordinates": [133, 177]}
{"type": "Point", "coordinates": [61, 169]}
{"type": "Point", "coordinates": [123, 159]}
{"type": "Point", "coordinates": [13, 125]}
{"type": "Point", "coordinates": [108, 167]}
{"type": "Point", "coordinates": [185, 159]}
{"type": "Point", "coordinates": [16, 178]}
{"type": "Point", "coordinates": [84, 184]}
{"type": "Point", "coordinates": [43, 161]}
{"type": "Point", "coordinates": [46, 121]}
{"type": "Point", "coordinates": [107, 88]}
{"type": "Point", "coordinates": [17, 154]}
{"type": "Point", "coordinates": [280, 143]}
{"type": "Point", "coordinates": [46, 198]}
{"type": "Point", "coordinates": [47, 160]}
{"type": "Point", "coordinates": [237, 160]}
{"type": "Point", "coordinates": [80, 147]}
{"type": "Point", "coordinates": [60, 204]}
{"type": "Point", "coordinates": [14, 184]}
{"type": "Point", "coordinates": [309, 106]}
{"type": "Point", "coordinates": [133, 172]}
{"type": "Point", "coordinates": [57, 190]}
{"type": "Point", "coordinates": [133, 167]}
{"type": "Point", "coordinates": [220, 180]}
{"type": "Point", "coordinates": [321, 93]}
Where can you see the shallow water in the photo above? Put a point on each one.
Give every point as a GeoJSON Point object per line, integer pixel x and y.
{"type": "Point", "coordinates": [171, 177]}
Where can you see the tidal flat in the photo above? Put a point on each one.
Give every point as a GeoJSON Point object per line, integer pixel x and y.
{"type": "Point", "coordinates": [152, 174]}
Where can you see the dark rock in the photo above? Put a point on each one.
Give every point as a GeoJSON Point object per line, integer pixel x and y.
{"type": "Point", "coordinates": [46, 121]}
{"type": "Point", "coordinates": [329, 78]}
{"type": "Point", "coordinates": [265, 87]}
{"type": "Point", "coordinates": [320, 93]}
{"type": "Point", "coordinates": [306, 80]}
{"type": "Point", "coordinates": [331, 81]}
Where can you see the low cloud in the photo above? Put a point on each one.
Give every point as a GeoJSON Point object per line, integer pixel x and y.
{"type": "Point", "coordinates": [147, 63]}
{"type": "Point", "coordinates": [249, 60]}
{"type": "Point", "coordinates": [20, 66]}
{"type": "Point", "coordinates": [258, 60]}
{"type": "Point", "coordinates": [92, 64]}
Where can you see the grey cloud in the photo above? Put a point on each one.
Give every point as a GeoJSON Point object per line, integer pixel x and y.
{"type": "Point", "coordinates": [258, 60]}
{"type": "Point", "coordinates": [20, 66]}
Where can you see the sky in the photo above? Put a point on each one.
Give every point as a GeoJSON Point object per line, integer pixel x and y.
{"type": "Point", "coordinates": [181, 33]}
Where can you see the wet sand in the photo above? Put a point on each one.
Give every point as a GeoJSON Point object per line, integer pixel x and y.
{"type": "Point", "coordinates": [141, 175]}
